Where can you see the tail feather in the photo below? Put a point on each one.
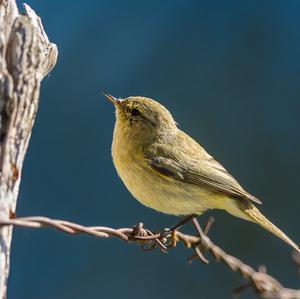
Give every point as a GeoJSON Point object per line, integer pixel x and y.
{"type": "Point", "coordinates": [257, 217]}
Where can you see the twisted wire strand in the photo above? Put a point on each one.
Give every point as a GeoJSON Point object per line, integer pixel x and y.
{"type": "Point", "coordinates": [264, 284]}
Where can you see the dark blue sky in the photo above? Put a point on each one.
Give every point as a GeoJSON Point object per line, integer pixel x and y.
{"type": "Point", "coordinates": [229, 71]}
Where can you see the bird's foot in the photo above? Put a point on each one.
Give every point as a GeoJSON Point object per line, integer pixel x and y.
{"type": "Point", "coordinates": [168, 236]}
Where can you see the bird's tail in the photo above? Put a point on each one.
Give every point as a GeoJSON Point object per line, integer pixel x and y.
{"type": "Point", "coordinates": [254, 215]}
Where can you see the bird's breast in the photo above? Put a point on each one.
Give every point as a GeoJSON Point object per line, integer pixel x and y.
{"type": "Point", "coordinates": [153, 190]}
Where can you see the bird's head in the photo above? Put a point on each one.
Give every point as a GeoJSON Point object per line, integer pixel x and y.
{"type": "Point", "coordinates": [142, 119]}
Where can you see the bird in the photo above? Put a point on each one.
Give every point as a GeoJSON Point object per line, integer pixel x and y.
{"type": "Point", "coordinates": [167, 170]}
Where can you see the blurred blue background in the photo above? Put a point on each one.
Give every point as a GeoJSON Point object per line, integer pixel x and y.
{"type": "Point", "coordinates": [229, 71]}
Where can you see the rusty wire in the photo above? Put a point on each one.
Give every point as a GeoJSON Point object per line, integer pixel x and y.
{"type": "Point", "coordinates": [264, 285]}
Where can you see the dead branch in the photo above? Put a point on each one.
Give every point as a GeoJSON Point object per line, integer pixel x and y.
{"type": "Point", "coordinates": [26, 56]}
{"type": "Point", "coordinates": [263, 284]}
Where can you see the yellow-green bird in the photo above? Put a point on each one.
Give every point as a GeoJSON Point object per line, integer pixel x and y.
{"type": "Point", "coordinates": [167, 170]}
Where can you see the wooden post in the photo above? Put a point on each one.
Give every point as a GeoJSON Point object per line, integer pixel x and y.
{"type": "Point", "coordinates": [26, 57]}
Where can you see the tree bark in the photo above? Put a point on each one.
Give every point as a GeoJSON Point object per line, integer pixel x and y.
{"type": "Point", "coordinates": [26, 57]}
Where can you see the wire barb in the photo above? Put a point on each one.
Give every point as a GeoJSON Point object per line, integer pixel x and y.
{"type": "Point", "coordinates": [262, 283]}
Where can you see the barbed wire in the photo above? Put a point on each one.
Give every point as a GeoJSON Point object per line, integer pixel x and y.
{"type": "Point", "coordinates": [264, 284]}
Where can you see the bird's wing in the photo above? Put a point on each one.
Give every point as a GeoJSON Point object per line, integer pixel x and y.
{"type": "Point", "coordinates": [201, 169]}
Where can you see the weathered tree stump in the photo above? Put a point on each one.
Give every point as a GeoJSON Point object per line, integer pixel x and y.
{"type": "Point", "coordinates": [26, 57]}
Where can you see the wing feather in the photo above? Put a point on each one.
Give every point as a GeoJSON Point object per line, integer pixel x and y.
{"type": "Point", "coordinates": [202, 169]}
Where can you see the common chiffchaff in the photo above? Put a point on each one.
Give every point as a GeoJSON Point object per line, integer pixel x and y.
{"type": "Point", "coordinates": [167, 170]}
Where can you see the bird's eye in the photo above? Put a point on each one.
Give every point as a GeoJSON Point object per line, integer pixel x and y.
{"type": "Point", "coordinates": [135, 112]}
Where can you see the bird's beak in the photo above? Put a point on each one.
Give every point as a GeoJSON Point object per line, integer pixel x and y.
{"type": "Point", "coordinates": [112, 99]}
